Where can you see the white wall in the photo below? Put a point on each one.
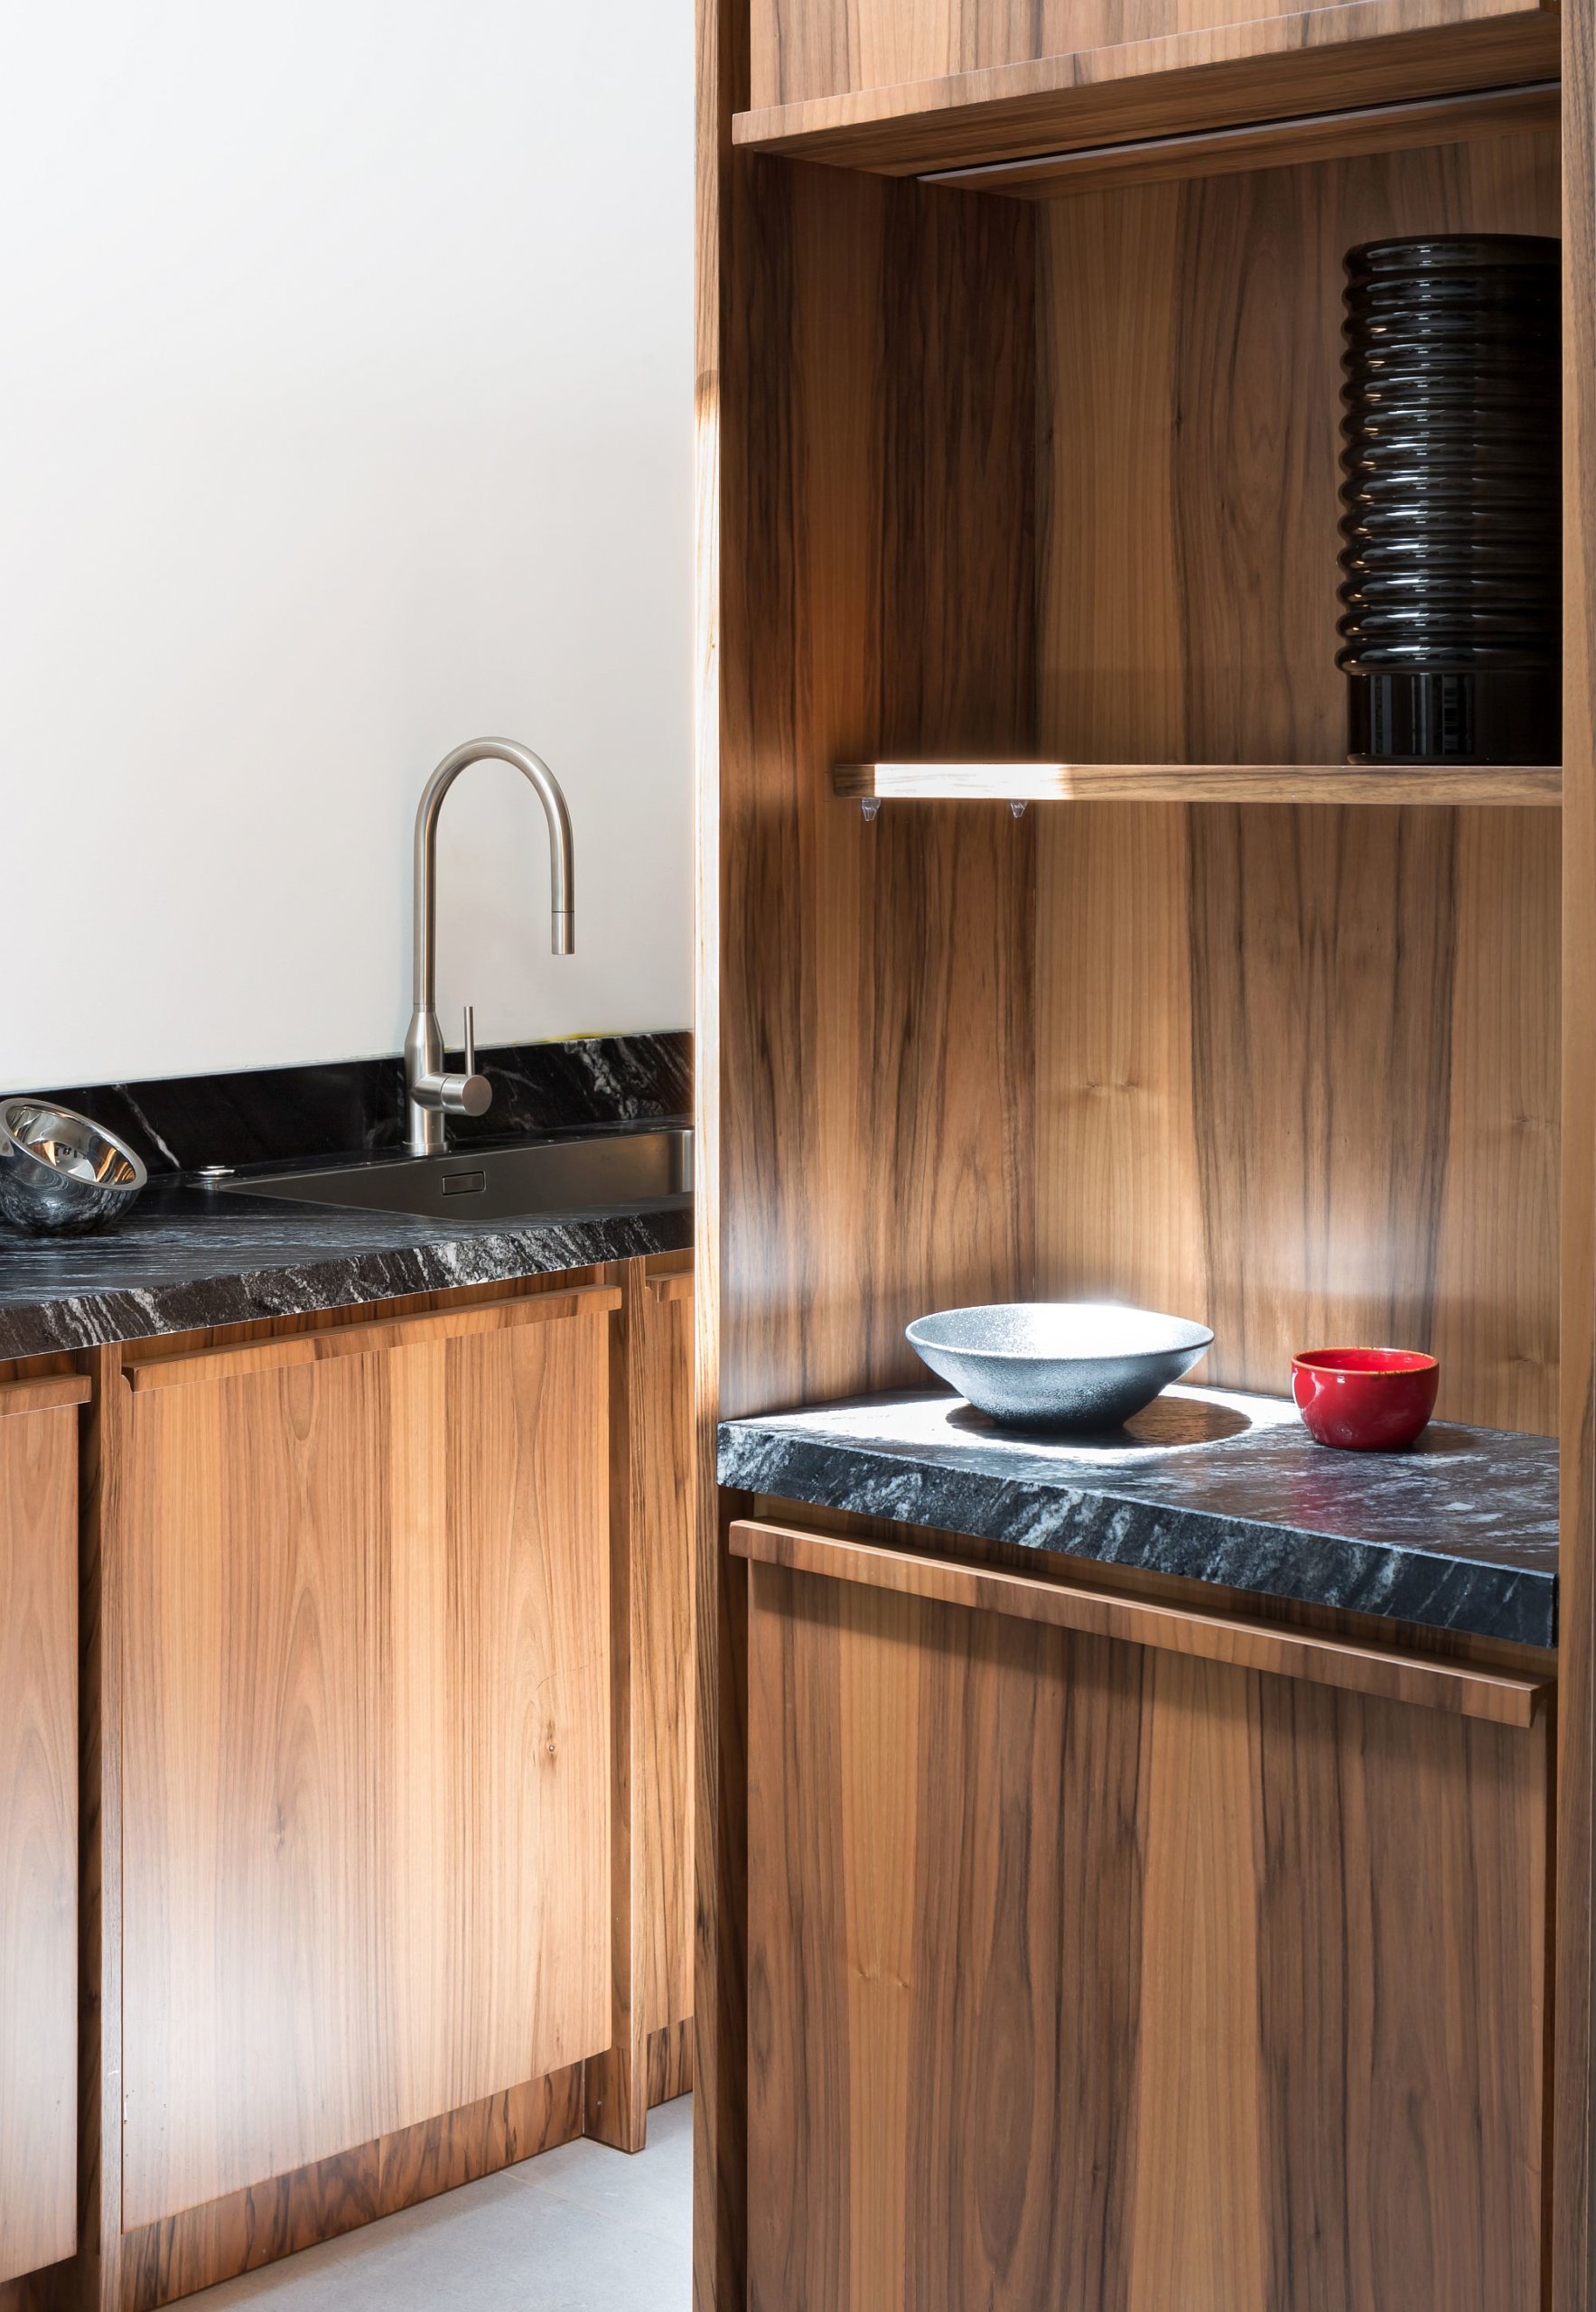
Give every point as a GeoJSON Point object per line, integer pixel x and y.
{"type": "Point", "coordinates": [345, 414]}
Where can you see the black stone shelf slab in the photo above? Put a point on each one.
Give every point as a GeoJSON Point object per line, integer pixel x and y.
{"type": "Point", "coordinates": [1460, 1533]}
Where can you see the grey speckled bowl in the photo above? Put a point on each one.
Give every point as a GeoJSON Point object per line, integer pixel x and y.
{"type": "Point", "coordinates": [1059, 1364]}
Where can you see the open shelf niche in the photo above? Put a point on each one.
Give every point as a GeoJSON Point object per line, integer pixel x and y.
{"type": "Point", "coordinates": [1057, 519]}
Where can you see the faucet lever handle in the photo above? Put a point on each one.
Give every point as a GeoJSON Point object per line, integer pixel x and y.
{"type": "Point", "coordinates": [465, 1094]}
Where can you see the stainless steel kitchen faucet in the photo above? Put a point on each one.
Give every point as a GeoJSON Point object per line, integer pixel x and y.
{"type": "Point", "coordinates": [433, 1092]}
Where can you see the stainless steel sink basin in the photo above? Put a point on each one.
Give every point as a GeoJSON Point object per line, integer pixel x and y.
{"type": "Point", "coordinates": [544, 1180]}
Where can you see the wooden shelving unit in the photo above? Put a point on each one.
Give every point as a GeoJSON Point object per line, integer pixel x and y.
{"type": "Point", "coordinates": [1019, 432]}
{"type": "Point", "coordinates": [1538, 785]}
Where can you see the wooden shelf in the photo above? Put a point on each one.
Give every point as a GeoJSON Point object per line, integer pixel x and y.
{"type": "Point", "coordinates": [1363, 53]}
{"type": "Point", "coordinates": [1539, 784]}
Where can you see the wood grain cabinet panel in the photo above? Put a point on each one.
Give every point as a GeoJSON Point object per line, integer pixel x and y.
{"type": "Point", "coordinates": [803, 50]}
{"type": "Point", "coordinates": [651, 1638]}
{"type": "Point", "coordinates": [1088, 1973]}
{"type": "Point", "coordinates": [366, 1742]}
{"type": "Point", "coordinates": [662, 1445]}
{"type": "Point", "coordinates": [37, 1824]}
{"type": "Point", "coordinates": [1317, 1097]}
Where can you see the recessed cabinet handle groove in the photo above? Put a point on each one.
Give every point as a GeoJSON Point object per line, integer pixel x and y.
{"type": "Point", "coordinates": [46, 1395]}
{"type": "Point", "coordinates": [1435, 1684]}
{"type": "Point", "coordinates": [676, 1285]}
{"type": "Point", "coordinates": [365, 1341]}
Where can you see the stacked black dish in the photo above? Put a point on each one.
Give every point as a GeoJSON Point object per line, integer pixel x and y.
{"type": "Point", "coordinates": [1452, 537]}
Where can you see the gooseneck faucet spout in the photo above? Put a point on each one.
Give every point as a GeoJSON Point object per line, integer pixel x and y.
{"type": "Point", "coordinates": [433, 1092]}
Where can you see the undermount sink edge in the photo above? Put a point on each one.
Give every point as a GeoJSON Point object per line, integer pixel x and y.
{"type": "Point", "coordinates": [600, 1172]}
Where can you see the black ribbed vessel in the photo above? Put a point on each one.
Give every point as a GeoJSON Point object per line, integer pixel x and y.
{"type": "Point", "coordinates": [1452, 537]}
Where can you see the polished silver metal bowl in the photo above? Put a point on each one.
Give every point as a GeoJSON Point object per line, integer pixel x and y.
{"type": "Point", "coordinates": [1059, 1364]}
{"type": "Point", "coordinates": [60, 1174]}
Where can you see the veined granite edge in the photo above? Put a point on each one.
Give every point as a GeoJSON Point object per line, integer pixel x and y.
{"type": "Point", "coordinates": [1426, 1584]}
{"type": "Point", "coordinates": [354, 1278]}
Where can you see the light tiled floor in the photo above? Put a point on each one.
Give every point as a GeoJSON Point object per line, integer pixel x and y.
{"type": "Point", "coordinates": [582, 2229]}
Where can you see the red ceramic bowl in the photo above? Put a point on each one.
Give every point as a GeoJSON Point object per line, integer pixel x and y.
{"type": "Point", "coordinates": [1368, 1400]}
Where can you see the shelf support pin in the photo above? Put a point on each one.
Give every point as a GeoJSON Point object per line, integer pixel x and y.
{"type": "Point", "coordinates": [869, 805]}
{"type": "Point", "coordinates": [1018, 809]}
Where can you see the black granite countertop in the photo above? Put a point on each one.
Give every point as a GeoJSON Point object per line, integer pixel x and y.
{"type": "Point", "coordinates": [186, 1257]}
{"type": "Point", "coordinates": [1459, 1534]}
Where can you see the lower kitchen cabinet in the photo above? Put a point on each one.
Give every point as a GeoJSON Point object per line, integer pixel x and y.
{"type": "Point", "coordinates": [365, 1728]}
{"type": "Point", "coordinates": [1103, 1954]}
{"type": "Point", "coordinates": [38, 1822]}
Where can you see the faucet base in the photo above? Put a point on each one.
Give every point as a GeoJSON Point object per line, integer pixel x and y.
{"type": "Point", "coordinates": [433, 1094]}
{"type": "Point", "coordinates": [426, 1135]}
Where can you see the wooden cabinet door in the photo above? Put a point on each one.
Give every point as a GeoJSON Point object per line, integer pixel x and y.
{"type": "Point", "coordinates": [1197, 1974]}
{"type": "Point", "coordinates": [38, 1822]}
{"type": "Point", "coordinates": [663, 1509]}
{"type": "Point", "coordinates": [366, 1708]}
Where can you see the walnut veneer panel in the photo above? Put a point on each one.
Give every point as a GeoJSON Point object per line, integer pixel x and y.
{"type": "Point", "coordinates": [38, 1826]}
{"type": "Point", "coordinates": [876, 577]}
{"type": "Point", "coordinates": [310, 1345]}
{"type": "Point", "coordinates": [670, 2063]}
{"type": "Point", "coordinates": [879, 84]}
{"type": "Point", "coordinates": [1574, 2089]}
{"type": "Point", "coordinates": [803, 49]}
{"type": "Point", "coordinates": [37, 2291]}
{"type": "Point", "coordinates": [365, 1759]}
{"type": "Point", "coordinates": [719, 2002]}
{"type": "Point", "coordinates": [651, 1588]}
{"type": "Point", "coordinates": [663, 1504]}
{"type": "Point", "coordinates": [866, 585]}
{"type": "Point", "coordinates": [44, 1393]}
{"type": "Point", "coordinates": [1503, 1698]}
{"type": "Point", "coordinates": [183, 2254]}
{"type": "Point", "coordinates": [1298, 1068]}
{"type": "Point", "coordinates": [1083, 1973]}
